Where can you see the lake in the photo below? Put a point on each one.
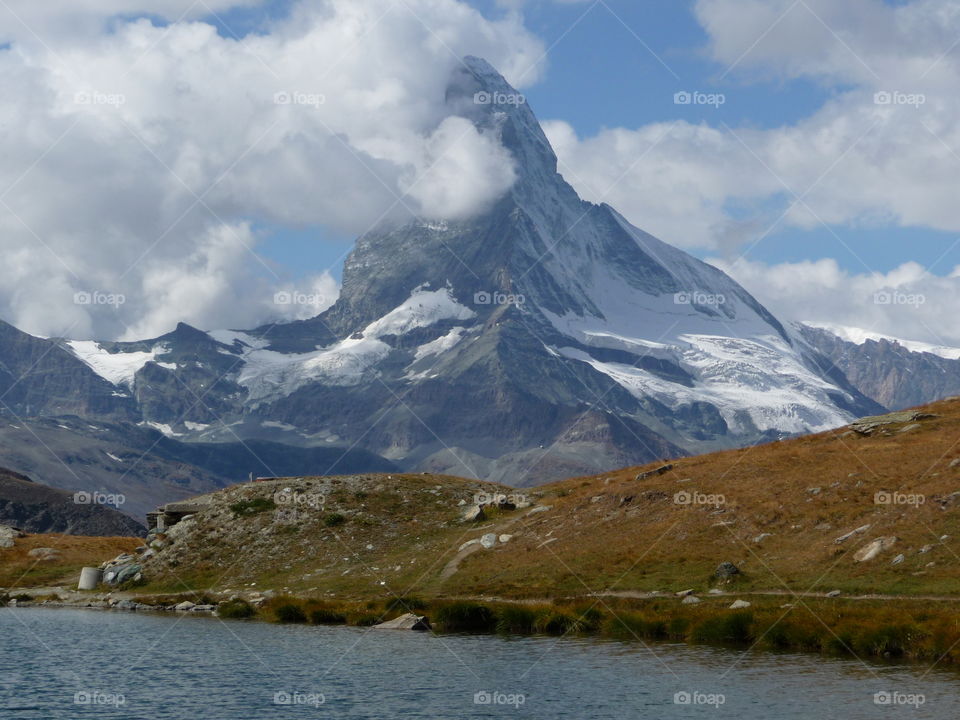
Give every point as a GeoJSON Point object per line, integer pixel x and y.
{"type": "Point", "coordinates": [111, 665]}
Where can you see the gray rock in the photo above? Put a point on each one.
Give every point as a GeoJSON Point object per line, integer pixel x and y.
{"type": "Point", "coordinates": [474, 514]}
{"type": "Point", "coordinates": [739, 605]}
{"type": "Point", "coordinates": [684, 593]}
{"type": "Point", "coordinates": [726, 570]}
{"type": "Point", "coordinates": [690, 600]}
{"type": "Point", "coordinates": [873, 549]}
{"type": "Point", "coordinates": [120, 574]}
{"type": "Point", "coordinates": [898, 559]}
{"type": "Point", "coordinates": [662, 470]}
{"type": "Point", "coordinates": [408, 621]}
{"type": "Point", "coordinates": [505, 538]}
{"type": "Point", "coordinates": [857, 531]}
{"type": "Point", "coordinates": [7, 535]}
{"type": "Point", "coordinates": [488, 540]}
{"type": "Point", "coordinates": [44, 553]}
{"type": "Point", "coordinates": [185, 606]}
{"type": "Point", "coordinates": [761, 537]}
{"type": "Point", "coordinates": [833, 594]}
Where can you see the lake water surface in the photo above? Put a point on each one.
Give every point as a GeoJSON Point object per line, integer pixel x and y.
{"type": "Point", "coordinates": [87, 664]}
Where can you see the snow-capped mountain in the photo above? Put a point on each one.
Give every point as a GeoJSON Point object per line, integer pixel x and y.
{"type": "Point", "coordinates": [896, 373]}
{"type": "Point", "coordinates": [544, 337]}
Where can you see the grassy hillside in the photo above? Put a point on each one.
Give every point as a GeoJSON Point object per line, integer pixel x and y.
{"type": "Point", "coordinates": [776, 511]}
{"type": "Point", "coordinates": [21, 569]}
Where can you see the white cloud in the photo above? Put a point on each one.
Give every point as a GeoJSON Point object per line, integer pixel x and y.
{"type": "Point", "coordinates": [137, 159]}
{"type": "Point", "coordinates": [852, 161]}
{"type": "Point", "coordinates": [908, 302]}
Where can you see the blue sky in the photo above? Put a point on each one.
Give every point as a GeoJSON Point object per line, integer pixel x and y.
{"type": "Point", "coordinates": [619, 65]}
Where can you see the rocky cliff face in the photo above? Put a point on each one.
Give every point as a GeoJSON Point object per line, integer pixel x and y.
{"type": "Point", "coordinates": [888, 371]}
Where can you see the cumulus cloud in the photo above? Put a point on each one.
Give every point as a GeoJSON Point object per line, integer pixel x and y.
{"type": "Point", "coordinates": [138, 157]}
{"type": "Point", "coordinates": [882, 149]}
{"type": "Point", "coordinates": [909, 302]}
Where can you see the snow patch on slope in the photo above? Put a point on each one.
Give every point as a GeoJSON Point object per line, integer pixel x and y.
{"type": "Point", "coordinates": [859, 336]}
{"type": "Point", "coordinates": [270, 375]}
{"type": "Point", "coordinates": [440, 345]}
{"type": "Point", "coordinates": [760, 378]}
{"type": "Point", "coordinates": [117, 368]}
{"type": "Point", "coordinates": [422, 309]}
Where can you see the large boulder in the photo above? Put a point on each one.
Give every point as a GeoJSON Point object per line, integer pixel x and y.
{"type": "Point", "coordinates": [474, 513]}
{"type": "Point", "coordinates": [726, 570]}
{"type": "Point", "coordinates": [119, 574]}
{"type": "Point", "coordinates": [8, 535]}
{"type": "Point", "coordinates": [408, 621]}
{"type": "Point", "coordinates": [873, 549]}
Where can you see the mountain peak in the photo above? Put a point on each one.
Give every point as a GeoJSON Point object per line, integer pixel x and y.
{"type": "Point", "coordinates": [478, 92]}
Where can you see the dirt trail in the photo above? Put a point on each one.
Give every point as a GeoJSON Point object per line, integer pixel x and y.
{"type": "Point", "coordinates": [451, 567]}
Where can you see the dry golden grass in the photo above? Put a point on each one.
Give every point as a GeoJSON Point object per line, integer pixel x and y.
{"type": "Point", "coordinates": [19, 570]}
{"type": "Point", "coordinates": [616, 533]}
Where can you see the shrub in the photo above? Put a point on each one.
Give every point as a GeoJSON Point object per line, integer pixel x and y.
{"type": "Point", "coordinates": [885, 641]}
{"type": "Point", "coordinates": [334, 519]}
{"type": "Point", "coordinates": [246, 508]}
{"type": "Point", "coordinates": [405, 604]}
{"type": "Point", "coordinates": [290, 613]}
{"type": "Point", "coordinates": [513, 620]}
{"type": "Point", "coordinates": [325, 616]}
{"type": "Point", "coordinates": [677, 629]}
{"type": "Point", "coordinates": [627, 626]}
{"type": "Point", "coordinates": [235, 609]}
{"type": "Point", "coordinates": [588, 618]}
{"type": "Point", "coordinates": [465, 617]}
{"type": "Point", "coordinates": [557, 623]}
{"type": "Point", "coordinates": [732, 628]}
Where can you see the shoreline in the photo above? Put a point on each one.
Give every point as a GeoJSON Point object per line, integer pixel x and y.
{"type": "Point", "coordinates": [904, 629]}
